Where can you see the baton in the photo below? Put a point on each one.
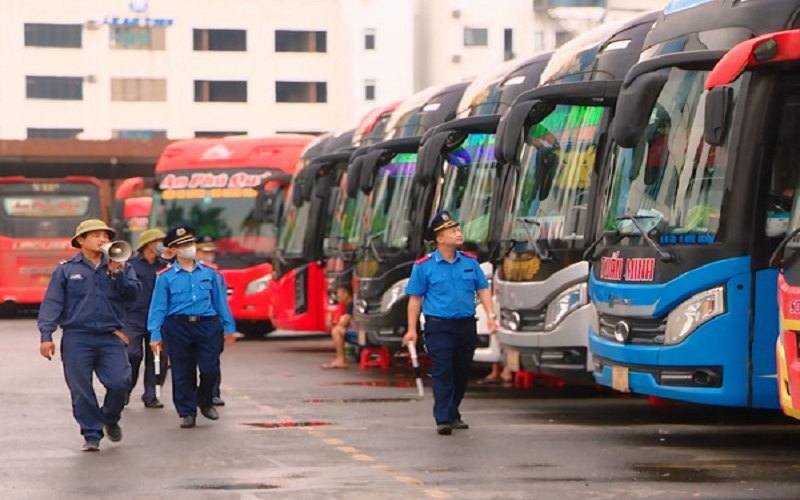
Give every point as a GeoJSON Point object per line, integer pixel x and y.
{"type": "Point", "coordinates": [157, 362]}
{"type": "Point", "coordinates": [412, 352]}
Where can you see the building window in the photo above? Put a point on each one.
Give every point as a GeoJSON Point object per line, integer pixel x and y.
{"type": "Point", "coordinates": [138, 134]}
{"type": "Point", "coordinates": [65, 88]}
{"type": "Point", "coordinates": [220, 91]}
{"type": "Point", "coordinates": [508, 44]}
{"type": "Point", "coordinates": [53, 133]}
{"type": "Point", "coordinates": [369, 90]}
{"type": "Point", "coordinates": [136, 38]}
{"type": "Point", "coordinates": [562, 37]}
{"type": "Point", "coordinates": [139, 89]}
{"type": "Point", "coordinates": [301, 92]}
{"type": "Point", "coordinates": [218, 133]}
{"type": "Point", "coordinates": [369, 40]}
{"type": "Point", "coordinates": [476, 37]}
{"type": "Point", "coordinates": [538, 41]}
{"type": "Point", "coordinates": [53, 35]}
{"type": "Point", "coordinates": [220, 40]}
{"type": "Point", "coordinates": [301, 41]}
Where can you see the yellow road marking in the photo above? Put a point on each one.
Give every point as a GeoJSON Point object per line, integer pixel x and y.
{"type": "Point", "coordinates": [333, 441]}
{"type": "Point", "coordinates": [408, 481]}
{"type": "Point", "coordinates": [347, 449]}
{"type": "Point", "coordinates": [437, 494]}
{"type": "Point", "coordinates": [364, 458]}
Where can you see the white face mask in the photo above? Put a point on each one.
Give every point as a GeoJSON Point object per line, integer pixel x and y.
{"type": "Point", "coordinates": [160, 249]}
{"type": "Point", "coordinates": [187, 253]}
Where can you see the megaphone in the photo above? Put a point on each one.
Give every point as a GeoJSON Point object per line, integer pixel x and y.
{"type": "Point", "coordinates": [118, 251]}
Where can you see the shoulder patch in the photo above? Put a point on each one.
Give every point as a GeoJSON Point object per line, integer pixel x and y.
{"type": "Point", "coordinates": [470, 255]}
{"type": "Point", "coordinates": [422, 259]}
{"type": "Point", "coordinates": [162, 271]}
{"type": "Point", "coordinates": [62, 262]}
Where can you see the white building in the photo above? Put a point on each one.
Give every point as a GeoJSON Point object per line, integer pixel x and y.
{"type": "Point", "coordinates": [102, 69]}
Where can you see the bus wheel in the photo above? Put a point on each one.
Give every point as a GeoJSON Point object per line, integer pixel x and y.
{"type": "Point", "coordinates": [254, 330]}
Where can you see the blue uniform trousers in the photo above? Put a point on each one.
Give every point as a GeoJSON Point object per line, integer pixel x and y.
{"type": "Point", "coordinates": [138, 351]}
{"type": "Point", "coordinates": [85, 354]}
{"type": "Point", "coordinates": [451, 345]}
{"type": "Point", "coordinates": [193, 346]}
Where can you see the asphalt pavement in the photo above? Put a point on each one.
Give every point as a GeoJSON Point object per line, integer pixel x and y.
{"type": "Point", "coordinates": [290, 430]}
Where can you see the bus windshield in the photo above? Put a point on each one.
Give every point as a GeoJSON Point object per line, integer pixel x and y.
{"type": "Point", "coordinates": [673, 181]}
{"type": "Point", "coordinates": [219, 205]}
{"type": "Point", "coordinates": [293, 226]}
{"type": "Point", "coordinates": [391, 202]}
{"type": "Point", "coordinates": [28, 212]}
{"type": "Point", "coordinates": [554, 183]}
{"type": "Point", "coordinates": [347, 223]}
{"type": "Point", "coordinates": [469, 174]}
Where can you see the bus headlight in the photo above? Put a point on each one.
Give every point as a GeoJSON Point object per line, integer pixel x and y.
{"type": "Point", "coordinates": [395, 293]}
{"type": "Point", "coordinates": [565, 303]}
{"type": "Point", "coordinates": [687, 317]}
{"type": "Point", "coordinates": [258, 285]}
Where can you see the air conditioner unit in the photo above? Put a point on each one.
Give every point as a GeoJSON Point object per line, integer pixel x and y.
{"type": "Point", "coordinates": [90, 79]}
{"type": "Point", "coordinates": [92, 25]}
{"type": "Point", "coordinates": [456, 14]}
{"type": "Point", "coordinates": [457, 58]}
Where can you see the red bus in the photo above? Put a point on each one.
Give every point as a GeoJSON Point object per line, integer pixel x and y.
{"type": "Point", "coordinates": [38, 218]}
{"type": "Point", "coordinates": [133, 205]}
{"type": "Point", "coordinates": [212, 184]}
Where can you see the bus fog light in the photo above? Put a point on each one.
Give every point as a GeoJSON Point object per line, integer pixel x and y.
{"type": "Point", "coordinates": [690, 315]}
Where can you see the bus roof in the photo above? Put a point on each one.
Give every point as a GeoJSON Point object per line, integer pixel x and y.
{"type": "Point", "coordinates": [281, 152]}
{"type": "Point", "coordinates": [771, 48]}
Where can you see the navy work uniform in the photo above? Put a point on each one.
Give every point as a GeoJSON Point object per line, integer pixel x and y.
{"type": "Point", "coordinates": [449, 297]}
{"type": "Point", "coordinates": [190, 309]}
{"type": "Point", "coordinates": [88, 304]}
{"type": "Point", "coordinates": [136, 313]}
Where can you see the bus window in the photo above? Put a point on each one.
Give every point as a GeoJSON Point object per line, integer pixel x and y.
{"type": "Point", "coordinates": [784, 179]}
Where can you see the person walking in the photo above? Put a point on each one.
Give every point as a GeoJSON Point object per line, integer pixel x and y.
{"type": "Point", "coordinates": [207, 255]}
{"type": "Point", "coordinates": [86, 297]}
{"type": "Point", "coordinates": [190, 308]}
{"type": "Point", "coordinates": [147, 262]}
{"type": "Point", "coordinates": [443, 286]}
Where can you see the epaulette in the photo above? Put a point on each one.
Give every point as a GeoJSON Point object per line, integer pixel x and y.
{"type": "Point", "coordinates": [422, 259]}
{"type": "Point", "coordinates": [470, 255]}
{"type": "Point", "coordinates": [162, 271]}
{"type": "Point", "coordinates": [62, 262]}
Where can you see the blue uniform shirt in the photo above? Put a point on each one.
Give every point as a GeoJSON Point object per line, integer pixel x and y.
{"type": "Point", "coordinates": [136, 311]}
{"type": "Point", "coordinates": [448, 288]}
{"type": "Point", "coordinates": [178, 292]}
{"type": "Point", "coordinates": [82, 298]}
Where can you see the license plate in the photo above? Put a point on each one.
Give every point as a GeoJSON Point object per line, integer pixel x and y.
{"type": "Point", "coordinates": [512, 361]}
{"type": "Point", "coordinates": [619, 378]}
{"type": "Point", "coordinates": [362, 337]}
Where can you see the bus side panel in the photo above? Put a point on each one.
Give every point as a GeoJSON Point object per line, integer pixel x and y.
{"type": "Point", "coordinates": [766, 328]}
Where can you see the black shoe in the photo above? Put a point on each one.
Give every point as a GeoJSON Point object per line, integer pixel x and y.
{"type": "Point", "coordinates": [114, 432]}
{"type": "Point", "coordinates": [210, 413]}
{"type": "Point", "coordinates": [218, 401]}
{"type": "Point", "coordinates": [459, 424]}
{"type": "Point", "coordinates": [91, 445]}
{"type": "Point", "coordinates": [153, 404]}
{"type": "Point", "coordinates": [444, 429]}
{"type": "Point", "coordinates": [188, 422]}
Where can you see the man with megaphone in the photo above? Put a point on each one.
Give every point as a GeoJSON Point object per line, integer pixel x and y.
{"type": "Point", "coordinates": [86, 297]}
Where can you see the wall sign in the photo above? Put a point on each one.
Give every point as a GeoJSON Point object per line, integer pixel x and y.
{"type": "Point", "coordinates": [138, 8]}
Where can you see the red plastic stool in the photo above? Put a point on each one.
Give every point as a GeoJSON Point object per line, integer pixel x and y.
{"type": "Point", "coordinates": [525, 379]}
{"type": "Point", "coordinates": [368, 352]}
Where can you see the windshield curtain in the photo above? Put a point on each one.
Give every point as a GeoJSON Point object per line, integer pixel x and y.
{"type": "Point", "coordinates": [554, 182]}
{"type": "Point", "coordinates": [391, 202]}
{"type": "Point", "coordinates": [34, 215]}
{"type": "Point", "coordinates": [469, 174]}
{"type": "Point", "coordinates": [673, 181]}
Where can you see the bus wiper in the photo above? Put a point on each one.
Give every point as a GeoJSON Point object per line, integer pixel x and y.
{"type": "Point", "coordinates": [776, 259]}
{"type": "Point", "coordinates": [372, 247]}
{"type": "Point", "coordinates": [663, 254]}
{"type": "Point", "coordinates": [527, 222]}
{"type": "Point", "coordinates": [588, 254]}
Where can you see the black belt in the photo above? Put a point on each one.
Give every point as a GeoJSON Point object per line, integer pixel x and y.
{"type": "Point", "coordinates": [437, 319]}
{"type": "Point", "coordinates": [194, 319]}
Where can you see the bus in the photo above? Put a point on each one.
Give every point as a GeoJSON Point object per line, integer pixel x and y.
{"type": "Point", "coordinates": [212, 185]}
{"type": "Point", "coordinates": [696, 204]}
{"type": "Point", "coordinates": [776, 57]}
{"type": "Point", "coordinates": [389, 245]}
{"type": "Point", "coordinates": [38, 218]}
{"type": "Point", "coordinates": [301, 291]}
{"type": "Point", "coordinates": [555, 142]}
{"type": "Point", "coordinates": [133, 203]}
{"type": "Point", "coordinates": [457, 169]}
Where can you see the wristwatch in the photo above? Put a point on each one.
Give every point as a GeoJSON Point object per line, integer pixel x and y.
{"type": "Point", "coordinates": [493, 316]}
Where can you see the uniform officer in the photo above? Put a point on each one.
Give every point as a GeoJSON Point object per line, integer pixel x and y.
{"type": "Point", "coordinates": [207, 255]}
{"type": "Point", "coordinates": [86, 298]}
{"type": "Point", "coordinates": [443, 285]}
{"type": "Point", "coordinates": [190, 308]}
{"type": "Point", "coordinates": [147, 262]}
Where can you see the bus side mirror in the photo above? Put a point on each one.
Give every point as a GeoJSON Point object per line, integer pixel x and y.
{"type": "Point", "coordinates": [297, 192]}
{"type": "Point", "coordinates": [429, 157]}
{"type": "Point", "coordinates": [719, 102]}
{"type": "Point", "coordinates": [372, 162]}
{"type": "Point", "coordinates": [354, 176]}
{"type": "Point", "coordinates": [512, 126]}
{"type": "Point", "coordinates": [267, 203]}
{"type": "Point", "coordinates": [634, 107]}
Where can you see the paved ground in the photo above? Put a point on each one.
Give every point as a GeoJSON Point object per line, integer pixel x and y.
{"type": "Point", "coordinates": [380, 442]}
